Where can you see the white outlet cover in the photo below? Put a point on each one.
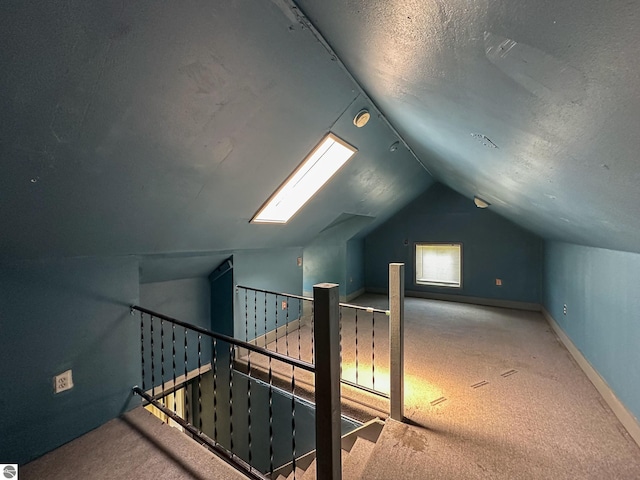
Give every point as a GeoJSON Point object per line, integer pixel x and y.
{"type": "Point", "coordinates": [63, 382]}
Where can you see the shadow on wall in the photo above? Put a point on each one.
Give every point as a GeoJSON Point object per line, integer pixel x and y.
{"type": "Point", "coordinates": [335, 256]}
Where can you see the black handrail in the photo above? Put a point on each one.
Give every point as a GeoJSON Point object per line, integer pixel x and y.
{"type": "Point", "coordinates": [309, 367]}
{"type": "Point", "coordinates": [310, 299]}
{"type": "Point", "coordinates": [222, 452]}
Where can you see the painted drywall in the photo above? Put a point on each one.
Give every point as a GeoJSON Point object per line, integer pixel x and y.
{"type": "Point", "coordinates": [326, 258]}
{"type": "Point", "coordinates": [60, 315]}
{"type": "Point", "coordinates": [601, 290]}
{"type": "Point", "coordinates": [492, 246]}
{"type": "Point", "coordinates": [222, 292]}
{"type": "Point", "coordinates": [276, 270]}
{"type": "Point", "coordinates": [159, 127]}
{"type": "Point", "coordinates": [529, 104]}
{"type": "Point", "coordinates": [354, 278]}
{"type": "Point", "coordinates": [325, 263]}
{"type": "Point", "coordinates": [187, 300]}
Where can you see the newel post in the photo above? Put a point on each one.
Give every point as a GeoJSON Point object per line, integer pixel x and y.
{"type": "Point", "coordinates": [396, 340]}
{"type": "Point", "coordinates": [326, 300]}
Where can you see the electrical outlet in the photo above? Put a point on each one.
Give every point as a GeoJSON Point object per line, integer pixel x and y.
{"type": "Point", "coordinates": [499, 282]}
{"type": "Point", "coordinates": [63, 382]}
{"type": "Point", "coordinates": [284, 305]}
{"type": "Point", "coordinates": [564, 309]}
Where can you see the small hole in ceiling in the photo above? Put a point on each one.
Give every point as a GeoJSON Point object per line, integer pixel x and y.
{"type": "Point", "coordinates": [486, 141]}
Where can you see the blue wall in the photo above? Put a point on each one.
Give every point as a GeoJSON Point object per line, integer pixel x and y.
{"type": "Point", "coordinates": [276, 270]}
{"type": "Point", "coordinates": [355, 266]}
{"type": "Point", "coordinates": [325, 263]}
{"type": "Point", "coordinates": [336, 256]}
{"type": "Point", "coordinates": [187, 300]}
{"type": "Point", "coordinates": [492, 248]}
{"type": "Point", "coordinates": [59, 315]}
{"type": "Point", "coordinates": [601, 290]}
{"type": "Point", "coordinates": [222, 294]}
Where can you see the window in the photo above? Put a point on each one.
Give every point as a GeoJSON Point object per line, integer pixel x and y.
{"type": "Point", "coordinates": [316, 170]}
{"type": "Point", "coordinates": [439, 264]}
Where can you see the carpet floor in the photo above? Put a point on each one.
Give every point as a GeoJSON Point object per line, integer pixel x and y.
{"type": "Point", "coordinates": [136, 445]}
{"type": "Point", "coordinates": [489, 393]}
{"type": "Point", "coordinates": [492, 393]}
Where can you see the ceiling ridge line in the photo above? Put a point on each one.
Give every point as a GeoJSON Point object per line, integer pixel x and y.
{"type": "Point", "coordinates": [305, 22]}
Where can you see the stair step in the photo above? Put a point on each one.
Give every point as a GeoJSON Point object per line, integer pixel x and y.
{"type": "Point", "coordinates": [354, 462]}
{"type": "Point", "coordinates": [310, 473]}
{"type": "Point", "coordinates": [298, 476]}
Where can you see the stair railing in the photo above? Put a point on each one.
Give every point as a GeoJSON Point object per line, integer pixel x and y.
{"type": "Point", "coordinates": [371, 339]}
{"type": "Point", "coordinates": [199, 362]}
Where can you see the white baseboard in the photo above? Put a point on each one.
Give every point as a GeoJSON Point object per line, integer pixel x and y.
{"type": "Point", "coordinates": [487, 302]}
{"type": "Point", "coordinates": [628, 420]}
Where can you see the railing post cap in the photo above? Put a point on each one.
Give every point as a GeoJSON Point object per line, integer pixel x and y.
{"type": "Point", "coordinates": [326, 285]}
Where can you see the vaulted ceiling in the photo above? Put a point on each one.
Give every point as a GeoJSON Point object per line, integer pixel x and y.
{"type": "Point", "coordinates": [151, 128]}
{"type": "Point", "coordinates": [159, 129]}
{"type": "Point", "coordinates": [533, 106]}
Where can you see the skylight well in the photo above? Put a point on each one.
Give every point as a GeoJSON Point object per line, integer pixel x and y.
{"type": "Point", "coordinates": [315, 170]}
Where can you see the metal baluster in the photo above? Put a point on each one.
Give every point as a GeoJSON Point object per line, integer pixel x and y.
{"type": "Point", "coordinates": [373, 350]}
{"type": "Point", "coordinates": [299, 327]}
{"type": "Point", "coordinates": [356, 346]}
{"type": "Point", "coordinates": [173, 355]}
{"type": "Point", "coordinates": [186, 376]}
{"type": "Point", "coordinates": [255, 317]}
{"type": "Point", "coordinates": [162, 359]}
{"type": "Point", "coordinates": [293, 417]}
{"type": "Point", "coordinates": [142, 347]}
{"type": "Point", "coordinates": [246, 318]}
{"type": "Point", "coordinates": [286, 329]}
{"type": "Point", "coordinates": [246, 334]}
{"type": "Point", "coordinates": [199, 384]}
{"type": "Point", "coordinates": [276, 323]}
{"type": "Point", "coordinates": [265, 319]}
{"type": "Point", "coordinates": [270, 418]}
{"type": "Point", "coordinates": [340, 334]}
{"type": "Point", "coordinates": [215, 399]}
{"type": "Point", "coordinates": [153, 368]}
{"type": "Point", "coordinates": [231, 398]}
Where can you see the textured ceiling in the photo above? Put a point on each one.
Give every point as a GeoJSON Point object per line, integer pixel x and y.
{"type": "Point", "coordinates": [159, 128]}
{"type": "Point", "coordinates": [533, 106]}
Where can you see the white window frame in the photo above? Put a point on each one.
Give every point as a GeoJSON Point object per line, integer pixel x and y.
{"type": "Point", "coordinates": [432, 283]}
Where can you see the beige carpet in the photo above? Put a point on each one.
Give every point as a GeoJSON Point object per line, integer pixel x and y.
{"type": "Point", "coordinates": [136, 446]}
{"type": "Point", "coordinates": [490, 393]}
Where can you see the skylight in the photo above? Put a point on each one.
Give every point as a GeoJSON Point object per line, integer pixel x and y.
{"type": "Point", "coordinates": [316, 170]}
